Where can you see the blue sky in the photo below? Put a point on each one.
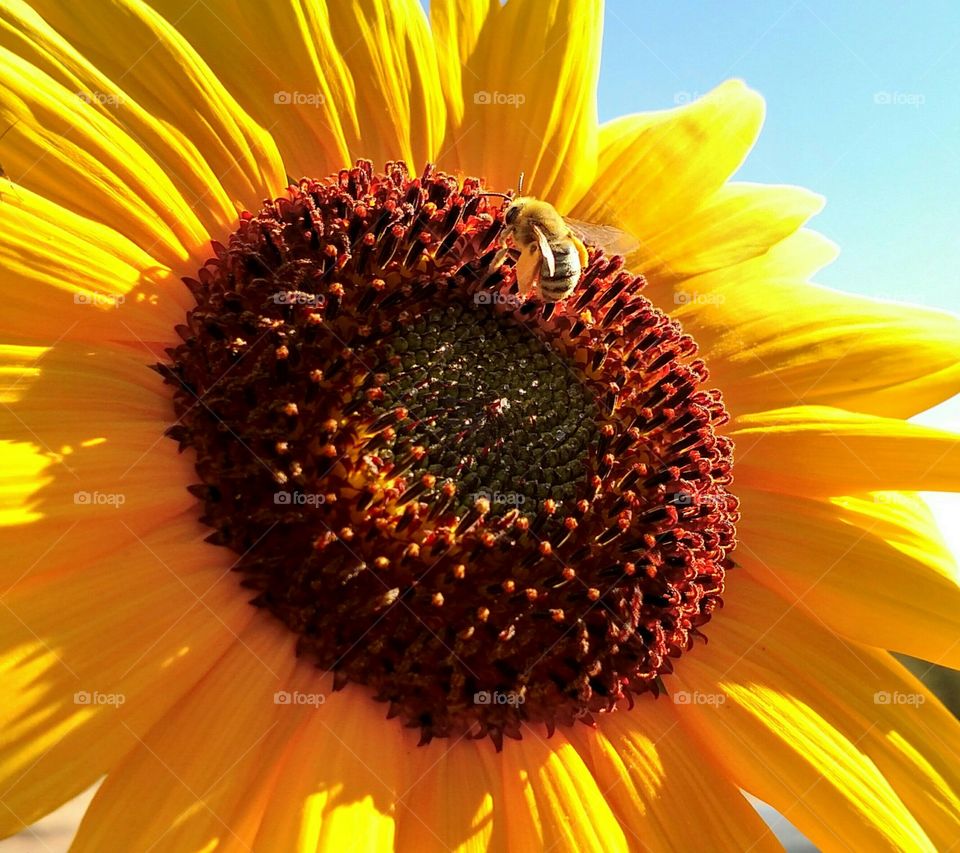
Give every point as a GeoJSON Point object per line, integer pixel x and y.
{"type": "Point", "coordinates": [863, 106]}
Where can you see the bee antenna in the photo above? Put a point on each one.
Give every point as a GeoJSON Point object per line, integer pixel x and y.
{"type": "Point", "coordinates": [498, 195]}
{"type": "Point", "coordinates": [520, 184]}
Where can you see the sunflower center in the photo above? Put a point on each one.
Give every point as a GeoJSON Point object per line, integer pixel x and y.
{"type": "Point", "coordinates": [500, 417]}
{"type": "Point", "coordinates": [491, 511]}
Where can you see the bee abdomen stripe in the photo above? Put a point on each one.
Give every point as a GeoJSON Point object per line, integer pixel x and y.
{"type": "Point", "coordinates": [555, 288]}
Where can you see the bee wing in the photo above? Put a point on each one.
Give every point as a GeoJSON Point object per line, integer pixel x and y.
{"type": "Point", "coordinates": [545, 249]}
{"type": "Point", "coordinates": [612, 240]}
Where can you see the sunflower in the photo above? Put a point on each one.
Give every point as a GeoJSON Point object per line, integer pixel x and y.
{"type": "Point", "coordinates": [319, 534]}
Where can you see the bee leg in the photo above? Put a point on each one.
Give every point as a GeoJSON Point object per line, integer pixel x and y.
{"type": "Point", "coordinates": [499, 258]}
{"type": "Point", "coordinates": [504, 242]}
{"type": "Point", "coordinates": [535, 281]}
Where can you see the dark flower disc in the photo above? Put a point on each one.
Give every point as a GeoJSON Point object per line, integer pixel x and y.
{"type": "Point", "coordinates": [489, 510]}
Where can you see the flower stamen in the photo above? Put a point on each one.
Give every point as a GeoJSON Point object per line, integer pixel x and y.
{"type": "Point", "coordinates": [491, 511]}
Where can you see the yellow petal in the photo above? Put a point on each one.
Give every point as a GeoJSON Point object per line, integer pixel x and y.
{"type": "Point", "coordinates": [23, 471]}
{"type": "Point", "coordinates": [818, 450]}
{"type": "Point", "coordinates": [18, 368]}
{"type": "Point", "coordinates": [93, 656]}
{"type": "Point", "coordinates": [771, 339]}
{"type": "Point", "coordinates": [738, 222]}
{"type": "Point", "coordinates": [388, 47]}
{"type": "Point", "coordinates": [796, 259]}
{"type": "Point", "coordinates": [340, 787]}
{"type": "Point", "coordinates": [86, 482]}
{"type": "Point", "coordinates": [873, 568]}
{"type": "Point", "coordinates": [293, 81]}
{"type": "Point", "coordinates": [454, 800]}
{"type": "Point", "coordinates": [103, 390]}
{"type": "Point", "coordinates": [656, 168]}
{"type": "Point", "coordinates": [138, 72]}
{"type": "Point", "coordinates": [199, 778]}
{"type": "Point", "coordinates": [456, 26]}
{"type": "Point", "coordinates": [68, 277]}
{"type": "Point", "coordinates": [854, 751]}
{"type": "Point", "coordinates": [652, 772]}
{"type": "Point", "coordinates": [331, 82]}
{"type": "Point", "coordinates": [553, 801]}
{"type": "Point", "coordinates": [529, 95]}
{"type": "Point", "coordinates": [85, 504]}
{"type": "Point", "coordinates": [108, 462]}
{"type": "Point", "coordinates": [67, 150]}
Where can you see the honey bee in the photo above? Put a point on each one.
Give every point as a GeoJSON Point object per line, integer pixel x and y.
{"type": "Point", "coordinates": [553, 249]}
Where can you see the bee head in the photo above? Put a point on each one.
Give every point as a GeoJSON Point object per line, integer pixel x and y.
{"type": "Point", "coordinates": [513, 210]}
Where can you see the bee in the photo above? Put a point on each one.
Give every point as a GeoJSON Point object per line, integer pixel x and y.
{"type": "Point", "coordinates": [553, 249]}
